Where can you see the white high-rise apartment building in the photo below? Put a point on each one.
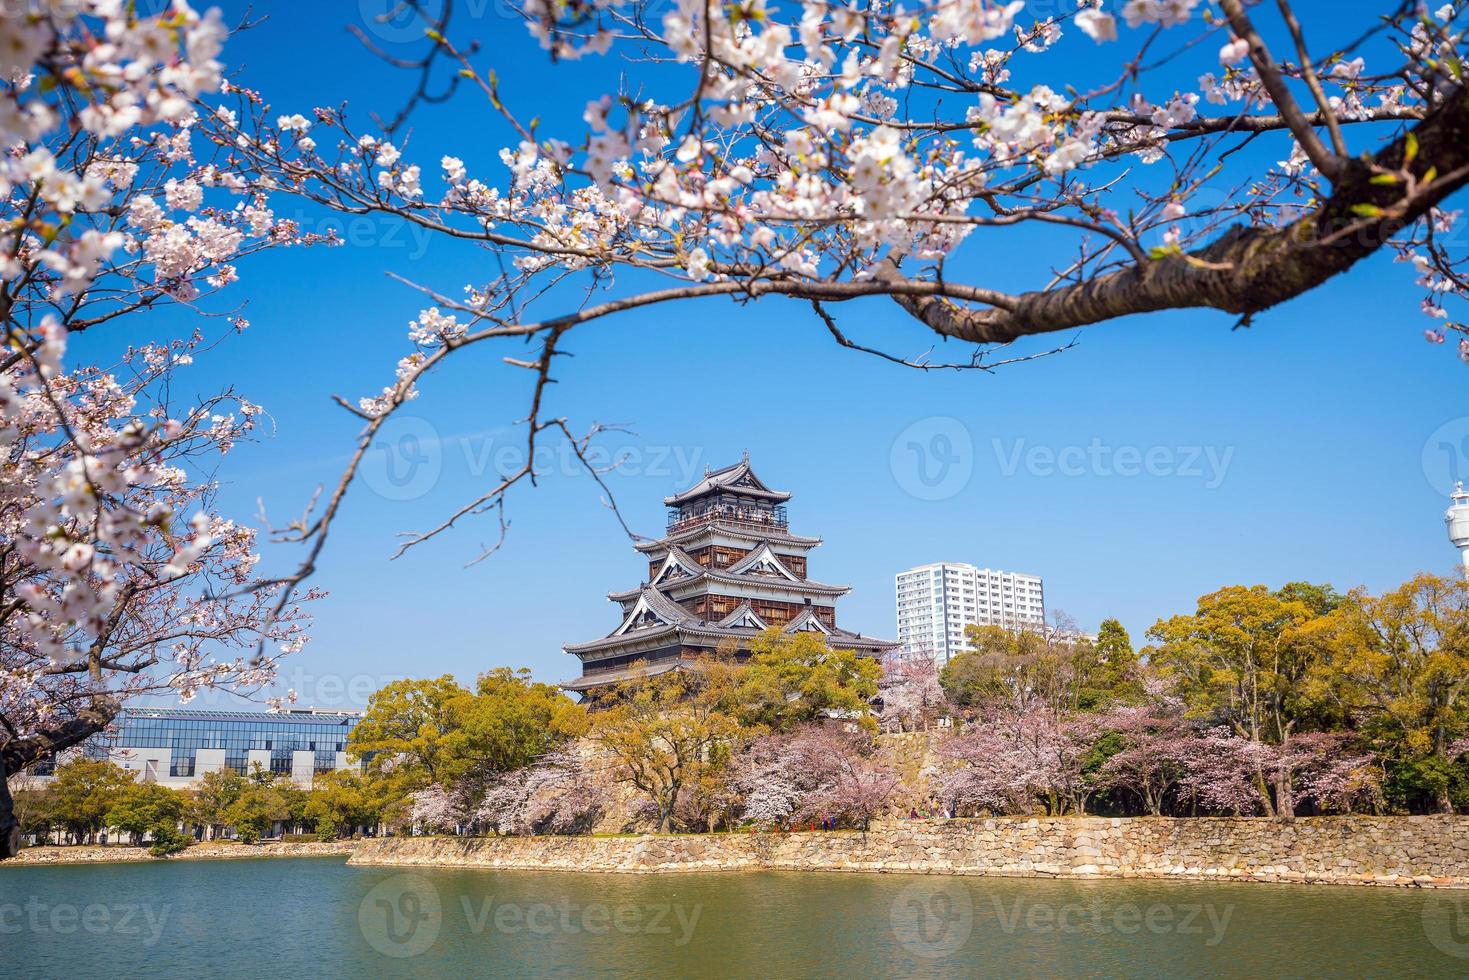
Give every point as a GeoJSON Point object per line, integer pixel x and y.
{"type": "Point", "coordinates": [936, 602]}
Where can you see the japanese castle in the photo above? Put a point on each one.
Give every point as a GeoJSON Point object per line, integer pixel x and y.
{"type": "Point", "coordinates": [727, 569]}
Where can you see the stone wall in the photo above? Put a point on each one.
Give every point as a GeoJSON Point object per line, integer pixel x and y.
{"type": "Point", "coordinates": [1421, 851]}
{"type": "Point", "coordinates": [100, 854]}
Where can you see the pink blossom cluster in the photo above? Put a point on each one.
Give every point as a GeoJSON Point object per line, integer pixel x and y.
{"type": "Point", "coordinates": [1019, 762]}
{"type": "Point", "coordinates": [825, 147]}
{"type": "Point", "coordinates": [121, 576]}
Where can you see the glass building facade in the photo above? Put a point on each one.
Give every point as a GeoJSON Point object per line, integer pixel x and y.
{"type": "Point", "coordinates": [271, 738]}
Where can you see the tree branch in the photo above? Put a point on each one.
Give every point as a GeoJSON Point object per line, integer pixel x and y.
{"type": "Point", "coordinates": [1327, 162]}
{"type": "Point", "coordinates": [1248, 269]}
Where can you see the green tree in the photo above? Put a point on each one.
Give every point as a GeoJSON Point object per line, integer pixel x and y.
{"type": "Point", "coordinates": [1400, 665]}
{"type": "Point", "coordinates": [84, 790]}
{"type": "Point", "coordinates": [1321, 600]}
{"type": "Point", "coordinates": [217, 791]}
{"type": "Point", "coordinates": [340, 801]}
{"type": "Point", "coordinates": [168, 839]}
{"type": "Point", "coordinates": [295, 799]}
{"type": "Point", "coordinates": [256, 810]}
{"type": "Point", "coordinates": [1119, 672]}
{"type": "Point", "coordinates": [1247, 657]}
{"type": "Point", "coordinates": [409, 729]}
{"type": "Point", "coordinates": [507, 723]}
{"type": "Point", "coordinates": [796, 678]}
{"type": "Point", "coordinates": [141, 807]}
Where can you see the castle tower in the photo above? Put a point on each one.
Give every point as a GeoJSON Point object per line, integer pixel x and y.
{"type": "Point", "coordinates": [726, 569]}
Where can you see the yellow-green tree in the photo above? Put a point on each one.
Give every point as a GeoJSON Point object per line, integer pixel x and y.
{"type": "Point", "coordinates": [1246, 657]}
{"type": "Point", "coordinates": [408, 729]}
{"type": "Point", "coordinates": [668, 733]}
{"type": "Point", "coordinates": [343, 800]}
{"type": "Point", "coordinates": [422, 732]}
{"type": "Point", "coordinates": [141, 807]}
{"type": "Point", "coordinates": [84, 790]}
{"type": "Point", "coordinates": [507, 723]}
{"type": "Point", "coordinates": [1023, 670]}
{"type": "Point", "coordinates": [1400, 664]}
{"type": "Point", "coordinates": [796, 678]}
{"type": "Point", "coordinates": [35, 811]}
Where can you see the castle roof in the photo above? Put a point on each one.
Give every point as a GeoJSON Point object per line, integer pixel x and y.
{"type": "Point", "coordinates": [737, 479]}
{"type": "Point", "coordinates": [731, 529]}
{"type": "Point", "coordinates": [688, 630]}
{"type": "Point", "coordinates": [720, 576]}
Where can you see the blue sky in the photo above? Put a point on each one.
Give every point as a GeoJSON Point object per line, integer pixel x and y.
{"type": "Point", "coordinates": [1292, 450]}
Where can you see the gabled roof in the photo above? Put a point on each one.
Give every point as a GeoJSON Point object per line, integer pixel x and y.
{"type": "Point", "coordinates": [653, 608]}
{"type": "Point", "coordinates": [779, 578]}
{"type": "Point", "coordinates": [737, 479]}
{"type": "Point", "coordinates": [677, 564]}
{"type": "Point", "coordinates": [708, 637]}
{"type": "Point", "coordinates": [808, 622]}
{"type": "Point", "coordinates": [743, 617]}
{"type": "Point", "coordinates": [762, 561]}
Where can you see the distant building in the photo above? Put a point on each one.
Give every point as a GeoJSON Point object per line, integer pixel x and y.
{"type": "Point", "coordinates": [937, 601]}
{"type": "Point", "coordinates": [1456, 519]}
{"type": "Point", "coordinates": [175, 747]}
{"type": "Point", "coordinates": [727, 569]}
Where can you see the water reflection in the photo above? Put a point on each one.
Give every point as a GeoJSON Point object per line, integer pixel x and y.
{"type": "Point", "coordinates": [317, 916]}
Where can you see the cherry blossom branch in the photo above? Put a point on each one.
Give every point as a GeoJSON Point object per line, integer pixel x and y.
{"type": "Point", "coordinates": [1326, 162]}
{"type": "Point", "coordinates": [1247, 270]}
{"type": "Point", "coordinates": [1313, 81]}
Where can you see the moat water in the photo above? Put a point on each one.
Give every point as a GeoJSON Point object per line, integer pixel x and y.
{"type": "Point", "coordinates": [319, 917]}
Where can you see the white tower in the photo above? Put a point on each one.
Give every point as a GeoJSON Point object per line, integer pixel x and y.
{"type": "Point", "coordinates": [1456, 518]}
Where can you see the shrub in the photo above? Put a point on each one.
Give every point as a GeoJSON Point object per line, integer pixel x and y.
{"type": "Point", "coordinates": [167, 839]}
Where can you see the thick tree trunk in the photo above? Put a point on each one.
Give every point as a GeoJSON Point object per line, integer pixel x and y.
{"type": "Point", "coordinates": [1248, 269]}
{"type": "Point", "coordinates": [1285, 796]}
{"type": "Point", "coordinates": [1262, 786]}
{"type": "Point", "coordinates": [18, 754]}
{"type": "Point", "coordinates": [9, 826]}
